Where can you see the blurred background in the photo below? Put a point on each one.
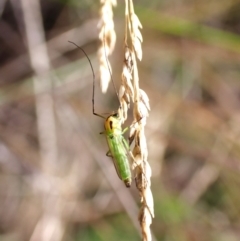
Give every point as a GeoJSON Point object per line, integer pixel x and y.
{"type": "Point", "coordinates": [56, 182]}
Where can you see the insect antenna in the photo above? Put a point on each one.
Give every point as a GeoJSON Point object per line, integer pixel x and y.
{"type": "Point", "coordinates": [93, 92]}
{"type": "Point", "coordinates": [104, 44]}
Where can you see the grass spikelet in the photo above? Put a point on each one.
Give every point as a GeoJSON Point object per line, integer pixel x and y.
{"type": "Point", "coordinates": [126, 89]}
{"type": "Point", "coordinates": [107, 37]}
{"type": "Point", "coordinates": [135, 34]}
{"type": "Point", "coordinates": [141, 110]}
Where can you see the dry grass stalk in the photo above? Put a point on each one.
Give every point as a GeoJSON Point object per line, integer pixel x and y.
{"type": "Point", "coordinates": [140, 111]}
{"type": "Point", "coordinates": [140, 99]}
{"type": "Point", "coordinates": [107, 37]}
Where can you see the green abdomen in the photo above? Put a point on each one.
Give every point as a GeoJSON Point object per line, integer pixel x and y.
{"type": "Point", "coordinates": [120, 158]}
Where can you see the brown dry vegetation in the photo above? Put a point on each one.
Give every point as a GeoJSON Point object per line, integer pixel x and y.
{"type": "Point", "coordinates": [56, 182]}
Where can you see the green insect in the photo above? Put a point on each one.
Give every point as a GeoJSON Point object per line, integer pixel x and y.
{"type": "Point", "coordinates": [118, 146]}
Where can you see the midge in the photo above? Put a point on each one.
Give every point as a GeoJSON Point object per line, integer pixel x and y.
{"type": "Point", "coordinates": [118, 146]}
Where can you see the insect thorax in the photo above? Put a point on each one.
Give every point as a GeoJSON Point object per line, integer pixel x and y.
{"type": "Point", "coordinates": [113, 124]}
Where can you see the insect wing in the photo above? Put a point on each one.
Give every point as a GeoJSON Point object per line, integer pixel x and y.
{"type": "Point", "coordinates": [120, 159]}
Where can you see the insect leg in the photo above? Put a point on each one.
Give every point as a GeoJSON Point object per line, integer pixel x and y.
{"type": "Point", "coordinates": [125, 144]}
{"type": "Point", "coordinates": [109, 154]}
{"type": "Point", "coordinates": [127, 148]}
{"type": "Point", "coordinates": [125, 129]}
